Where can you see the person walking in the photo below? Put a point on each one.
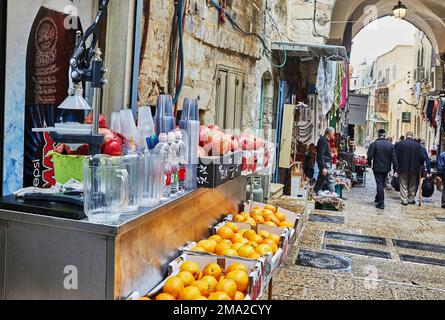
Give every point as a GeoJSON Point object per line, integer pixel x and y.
{"type": "Point", "coordinates": [309, 161]}
{"type": "Point", "coordinates": [382, 158]}
{"type": "Point", "coordinates": [410, 159]}
{"type": "Point", "coordinates": [324, 161]}
{"type": "Point", "coordinates": [441, 173]}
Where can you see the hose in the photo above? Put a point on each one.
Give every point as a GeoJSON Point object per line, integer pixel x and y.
{"type": "Point", "coordinates": [181, 51]}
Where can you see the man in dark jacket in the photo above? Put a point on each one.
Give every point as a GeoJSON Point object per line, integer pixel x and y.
{"type": "Point", "coordinates": [441, 172]}
{"type": "Point", "coordinates": [410, 159]}
{"type": "Point", "coordinates": [324, 161]}
{"type": "Point", "coordinates": [382, 157]}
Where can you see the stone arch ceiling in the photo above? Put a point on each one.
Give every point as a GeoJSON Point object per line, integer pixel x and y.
{"type": "Point", "coordinates": [427, 15]}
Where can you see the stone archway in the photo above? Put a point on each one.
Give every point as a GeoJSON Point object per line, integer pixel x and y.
{"type": "Point", "coordinates": [426, 15]}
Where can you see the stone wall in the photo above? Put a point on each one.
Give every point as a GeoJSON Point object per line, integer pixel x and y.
{"type": "Point", "coordinates": [207, 44]}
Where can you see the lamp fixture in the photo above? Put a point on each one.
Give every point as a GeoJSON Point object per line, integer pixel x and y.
{"type": "Point", "coordinates": [400, 10]}
{"type": "Point", "coordinates": [400, 103]}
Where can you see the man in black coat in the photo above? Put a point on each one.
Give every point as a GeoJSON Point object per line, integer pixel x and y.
{"type": "Point", "coordinates": [410, 159]}
{"type": "Point", "coordinates": [324, 161]}
{"type": "Point", "coordinates": [382, 157]}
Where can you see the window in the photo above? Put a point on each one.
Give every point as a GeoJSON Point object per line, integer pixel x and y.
{"type": "Point", "coordinates": [394, 73]}
{"type": "Point", "coordinates": [229, 98]}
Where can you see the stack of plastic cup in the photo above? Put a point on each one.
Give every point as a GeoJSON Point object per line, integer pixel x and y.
{"type": "Point", "coordinates": [190, 124]}
{"type": "Point", "coordinates": [164, 119]}
{"type": "Point", "coordinates": [146, 128]}
{"type": "Point", "coordinates": [116, 122]}
{"type": "Point", "coordinates": [128, 125]}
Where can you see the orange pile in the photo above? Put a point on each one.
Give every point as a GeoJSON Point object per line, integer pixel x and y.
{"type": "Point", "coordinates": [210, 283]}
{"type": "Point", "coordinates": [269, 216]}
{"type": "Point", "coordinates": [230, 241]}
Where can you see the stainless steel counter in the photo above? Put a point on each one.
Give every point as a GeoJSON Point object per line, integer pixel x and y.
{"type": "Point", "coordinates": [38, 254]}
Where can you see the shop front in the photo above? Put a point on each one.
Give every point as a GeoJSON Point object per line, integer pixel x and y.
{"type": "Point", "coordinates": [105, 202]}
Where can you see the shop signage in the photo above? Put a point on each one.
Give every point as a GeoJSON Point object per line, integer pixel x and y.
{"type": "Point", "coordinates": [406, 117]}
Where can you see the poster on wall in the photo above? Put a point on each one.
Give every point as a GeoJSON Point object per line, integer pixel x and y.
{"type": "Point", "coordinates": [41, 36]}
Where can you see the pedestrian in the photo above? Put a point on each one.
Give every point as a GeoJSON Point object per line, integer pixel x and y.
{"type": "Point", "coordinates": [324, 161]}
{"type": "Point", "coordinates": [390, 139]}
{"type": "Point", "coordinates": [309, 161]}
{"type": "Point", "coordinates": [441, 173]}
{"type": "Point", "coordinates": [410, 158]}
{"type": "Point", "coordinates": [382, 158]}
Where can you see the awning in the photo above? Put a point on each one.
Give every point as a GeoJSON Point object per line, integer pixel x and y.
{"type": "Point", "coordinates": [294, 49]}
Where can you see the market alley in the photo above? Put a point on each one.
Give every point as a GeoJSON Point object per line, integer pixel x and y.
{"type": "Point", "coordinates": [398, 253]}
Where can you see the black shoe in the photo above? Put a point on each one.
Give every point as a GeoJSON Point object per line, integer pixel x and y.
{"type": "Point", "coordinates": [380, 206]}
{"type": "Point", "coordinates": [443, 206]}
{"type": "Point", "coordinates": [412, 202]}
{"type": "Point", "coordinates": [405, 204]}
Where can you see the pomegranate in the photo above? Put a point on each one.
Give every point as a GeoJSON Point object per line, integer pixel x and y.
{"type": "Point", "coordinates": [113, 147]}
{"type": "Point", "coordinates": [102, 121]}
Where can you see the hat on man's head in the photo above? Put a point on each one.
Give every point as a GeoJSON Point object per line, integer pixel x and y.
{"type": "Point", "coordinates": [381, 132]}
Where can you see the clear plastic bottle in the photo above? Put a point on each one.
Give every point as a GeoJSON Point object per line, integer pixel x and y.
{"type": "Point", "coordinates": [182, 157]}
{"type": "Point", "coordinates": [174, 161]}
{"type": "Point", "coordinates": [163, 149]}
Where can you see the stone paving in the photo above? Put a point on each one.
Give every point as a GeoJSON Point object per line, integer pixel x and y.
{"type": "Point", "coordinates": [381, 268]}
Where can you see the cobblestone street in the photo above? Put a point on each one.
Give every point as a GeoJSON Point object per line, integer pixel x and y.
{"type": "Point", "coordinates": [398, 253]}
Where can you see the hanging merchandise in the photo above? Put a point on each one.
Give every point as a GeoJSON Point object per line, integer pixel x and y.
{"type": "Point", "coordinates": [320, 86]}
{"type": "Point", "coordinates": [429, 111]}
{"type": "Point", "coordinates": [438, 121]}
{"type": "Point", "coordinates": [344, 87]}
{"type": "Point", "coordinates": [434, 113]}
{"type": "Point", "coordinates": [50, 46]}
{"type": "Point", "coordinates": [331, 75]}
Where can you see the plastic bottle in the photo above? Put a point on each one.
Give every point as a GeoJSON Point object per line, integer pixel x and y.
{"type": "Point", "coordinates": [174, 161]}
{"type": "Point", "coordinates": [182, 157]}
{"type": "Point", "coordinates": [163, 149]}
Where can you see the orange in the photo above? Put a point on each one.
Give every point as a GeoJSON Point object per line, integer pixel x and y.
{"type": "Point", "coordinates": [259, 219]}
{"type": "Point", "coordinates": [255, 256]}
{"type": "Point", "coordinates": [249, 234]}
{"type": "Point", "coordinates": [241, 279]}
{"type": "Point", "coordinates": [243, 241]}
{"type": "Point", "coordinates": [165, 296]}
{"type": "Point", "coordinates": [270, 207]}
{"type": "Point", "coordinates": [229, 252]}
{"type": "Point", "coordinates": [252, 244]}
{"type": "Point", "coordinates": [204, 287]}
{"type": "Point", "coordinates": [239, 296]}
{"type": "Point", "coordinates": [173, 286]}
{"type": "Point", "coordinates": [191, 267]}
{"type": "Point", "coordinates": [198, 249]}
{"type": "Point", "coordinates": [225, 232]}
{"type": "Point", "coordinates": [275, 238]}
{"type": "Point", "coordinates": [256, 211]}
{"type": "Point", "coordinates": [272, 244]}
{"type": "Point", "coordinates": [211, 281]}
{"type": "Point", "coordinates": [147, 298]}
{"type": "Point", "coordinates": [228, 286]}
{"type": "Point", "coordinates": [271, 224]}
{"type": "Point", "coordinates": [239, 218]}
{"type": "Point", "coordinates": [268, 212]}
{"type": "Point", "coordinates": [257, 238]}
{"type": "Point", "coordinates": [275, 220]}
{"type": "Point", "coordinates": [251, 221]}
{"type": "Point", "coordinates": [286, 224]}
{"type": "Point", "coordinates": [219, 296]}
{"type": "Point", "coordinates": [264, 233]}
{"type": "Point", "coordinates": [237, 237]}
{"type": "Point", "coordinates": [245, 251]}
{"type": "Point", "coordinates": [186, 277]}
{"type": "Point", "coordinates": [213, 270]}
{"type": "Point", "coordinates": [280, 216]}
{"type": "Point", "coordinates": [245, 215]}
{"type": "Point", "coordinates": [220, 247]}
{"type": "Point", "coordinates": [208, 245]}
{"type": "Point", "coordinates": [216, 238]}
{"type": "Point", "coordinates": [227, 241]}
{"type": "Point", "coordinates": [201, 298]}
{"type": "Point", "coordinates": [237, 266]}
{"type": "Point", "coordinates": [263, 249]}
{"type": "Point", "coordinates": [189, 293]}
{"type": "Point", "coordinates": [236, 246]}
{"type": "Point", "coordinates": [242, 231]}
{"type": "Point", "coordinates": [232, 226]}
